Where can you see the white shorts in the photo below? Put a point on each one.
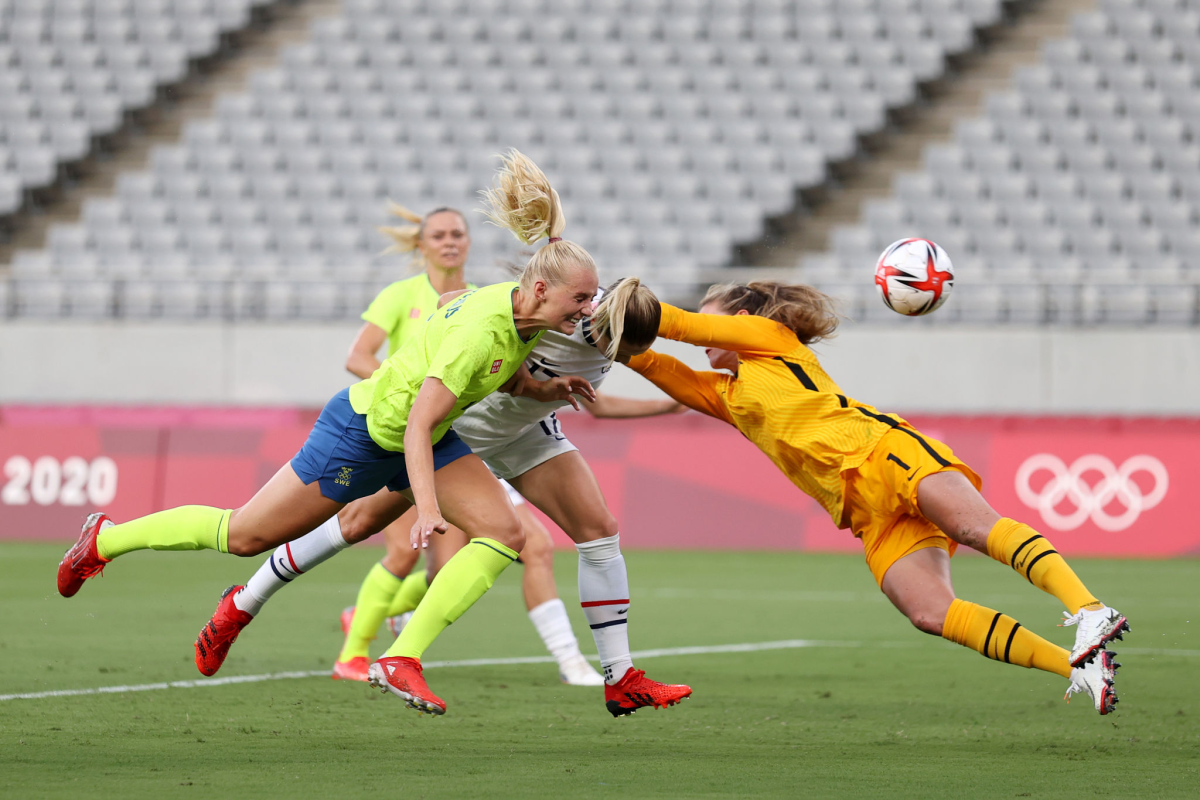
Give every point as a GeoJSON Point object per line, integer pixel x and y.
{"type": "Point", "coordinates": [509, 458]}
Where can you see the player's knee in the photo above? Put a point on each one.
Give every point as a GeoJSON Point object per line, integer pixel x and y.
{"type": "Point", "coordinates": [927, 621]}
{"type": "Point", "coordinates": [601, 528]}
{"type": "Point", "coordinates": [508, 532]}
{"type": "Point", "coordinates": [399, 564]}
{"type": "Point", "coordinates": [246, 546]}
{"type": "Point", "coordinates": [357, 523]}
{"type": "Point", "coordinates": [538, 551]}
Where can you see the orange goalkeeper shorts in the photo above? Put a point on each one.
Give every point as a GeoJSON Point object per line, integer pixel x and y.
{"type": "Point", "coordinates": [881, 498]}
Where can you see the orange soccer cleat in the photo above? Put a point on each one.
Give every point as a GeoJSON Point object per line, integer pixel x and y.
{"type": "Point", "coordinates": [219, 634]}
{"type": "Point", "coordinates": [402, 677]}
{"type": "Point", "coordinates": [82, 561]}
{"type": "Point", "coordinates": [353, 670]}
{"type": "Point", "coordinates": [636, 691]}
{"type": "Point", "coordinates": [346, 619]}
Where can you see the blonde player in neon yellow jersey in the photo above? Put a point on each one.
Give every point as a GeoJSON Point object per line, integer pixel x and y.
{"type": "Point", "coordinates": [393, 430]}
{"type": "Point", "coordinates": [441, 242]}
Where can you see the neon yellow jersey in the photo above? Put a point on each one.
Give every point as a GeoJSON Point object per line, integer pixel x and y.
{"type": "Point", "coordinates": [403, 308]}
{"type": "Point", "coordinates": [471, 345]}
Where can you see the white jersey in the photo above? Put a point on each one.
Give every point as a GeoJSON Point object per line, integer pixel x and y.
{"type": "Point", "coordinates": [501, 417]}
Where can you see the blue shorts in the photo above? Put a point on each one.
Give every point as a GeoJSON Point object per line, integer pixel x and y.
{"type": "Point", "coordinates": [341, 454]}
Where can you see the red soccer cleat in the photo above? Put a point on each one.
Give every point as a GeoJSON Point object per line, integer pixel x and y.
{"type": "Point", "coordinates": [353, 670]}
{"type": "Point", "coordinates": [402, 677]}
{"type": "Point", "coordinates": [215, 639]}
{"type": "Point", "coordinates": [82, 561]}
{"type": "Point", "coordinates": [347, 619]}
{"type": "Point", "coordinates": [636, 691]}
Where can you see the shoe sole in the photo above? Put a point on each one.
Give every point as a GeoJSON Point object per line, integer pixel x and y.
{"type": "Point", "coordinates": [375, 678]}
{"type": "Point", "coordinates": [1118, 632]}
{"type": "Point", "coordinates": [1108, 698]}
{"type": "Point", "coordinates": [618, 710]}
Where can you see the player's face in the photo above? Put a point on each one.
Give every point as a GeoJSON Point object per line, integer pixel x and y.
{"type": "Point", "coordinates": [563, 306]}
{"type": "Point", "coordinates": [446, 242]}
{"type": "Point", "coordinates": [718, 358]}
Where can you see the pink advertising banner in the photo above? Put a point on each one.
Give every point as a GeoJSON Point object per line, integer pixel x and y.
{"type": "Point", "coordinates": [1095, 486]}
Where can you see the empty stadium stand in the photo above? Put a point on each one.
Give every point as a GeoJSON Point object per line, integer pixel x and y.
{"type": "Point", "coordinates": [672, 128]}
{"type": "Point", "coordinates": [71, 69]}
{"type": "Point", "coordinates": [1073, 198]}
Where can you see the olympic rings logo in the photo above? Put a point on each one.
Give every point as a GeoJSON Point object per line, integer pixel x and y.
{"type": "Point", "coordinates": [1091, 502]}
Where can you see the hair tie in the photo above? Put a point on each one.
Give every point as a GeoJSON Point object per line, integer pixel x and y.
{"type": "Point", "coordinates": [554, 239]}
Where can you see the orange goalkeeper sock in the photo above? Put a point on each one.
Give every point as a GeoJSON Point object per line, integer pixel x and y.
{"type": "Point", "coordinates": [1031, 554]}
{"type": "Point", "coordinates": [1002, 638]}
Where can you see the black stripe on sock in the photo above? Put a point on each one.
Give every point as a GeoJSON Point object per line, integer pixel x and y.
{"type": "Point", "coordinates": [1008, 644]}
{"type": "Point", "coordinates": [894, 425]}
{"type": "Point", "coordinates": [1029, 569]}
{"type": "Point", "coordinates": [988, 640]}
{"type": "Point", "coordinates": [800, 374]}
{"type": "Point", "coordinates": [1012, 562]}
{"type": "Point", "coordinates": [842, 401]}
{"type": "Point", "coordinates": [274, 569]}
{"type": "Point", "coordinates": [489, 547]}
{"type": "Point", "coordinates": [600, 625]}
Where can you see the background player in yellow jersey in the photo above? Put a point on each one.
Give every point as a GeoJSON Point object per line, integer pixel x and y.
{"type": "Point", "coordinates": [906, 496]}
{"type": "Point", "coordinates": [393, 430]}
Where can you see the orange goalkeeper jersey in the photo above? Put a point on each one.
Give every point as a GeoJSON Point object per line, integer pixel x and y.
{"type": "Point", "coordinates": [781, 399]}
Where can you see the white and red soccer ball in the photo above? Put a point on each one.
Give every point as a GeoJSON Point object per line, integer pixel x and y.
{"type": "Point", "coordinates": [914, 277]}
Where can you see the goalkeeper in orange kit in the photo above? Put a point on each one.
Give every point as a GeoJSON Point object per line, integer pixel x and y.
{"type": "Point", "coordinates": [906, 496]}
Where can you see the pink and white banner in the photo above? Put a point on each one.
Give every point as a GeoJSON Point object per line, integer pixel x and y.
{"type": "Point", "coordinates": [1094, 486]}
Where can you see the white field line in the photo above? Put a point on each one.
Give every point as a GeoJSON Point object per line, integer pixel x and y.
{"type": "Point", "coordinates": [787, 644]}
{"type": "Point", "coordinates": [750, 647]}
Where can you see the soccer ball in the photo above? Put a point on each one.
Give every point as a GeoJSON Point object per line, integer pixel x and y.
{"type": "Point", "coordinates": [914, 277]}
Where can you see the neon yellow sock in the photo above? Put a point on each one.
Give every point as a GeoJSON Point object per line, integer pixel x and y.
{"type": "Point", "coordinates": [374, 596]}
{"type": "Point", "coordinates": [460, 583]}
{"type": "Point", "coordinates": [183, 528]}
{"type": "Point", "coordinates": [411, 592]}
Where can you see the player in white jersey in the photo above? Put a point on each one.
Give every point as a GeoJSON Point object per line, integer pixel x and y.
{"type": "Point", "coordinates": [524, 444]}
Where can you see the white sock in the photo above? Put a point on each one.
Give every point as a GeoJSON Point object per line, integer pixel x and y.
{"type": "Point", "coordinates": [288, 561]}
{"type": "Point", "coordinates": [604, 595]}
{"type": "Point", "coordinates": [553, 625]}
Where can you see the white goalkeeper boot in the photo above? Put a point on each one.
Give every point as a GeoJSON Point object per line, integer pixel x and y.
{"type": "Point", "coordinates": [1096, 629]}
{"type": "Point", "coordinates": [1096, 681]}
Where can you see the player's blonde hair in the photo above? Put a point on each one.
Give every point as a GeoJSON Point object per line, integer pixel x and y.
{"type": "Point", "coordinates": [522, 201]}
{"type": "Point", "coordinates": [628, 312]}
{"type": "Point", "coordinates": [811, 314]}
{"type": "Point", "coordinates": [407, 238]}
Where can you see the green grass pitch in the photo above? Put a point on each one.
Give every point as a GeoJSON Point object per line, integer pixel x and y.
{"type": "Point", "coordinates": [882, 711]}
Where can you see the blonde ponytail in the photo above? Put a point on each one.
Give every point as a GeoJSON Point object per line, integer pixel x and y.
{"type": "Point", "coordinates": [407, 238]}
{"type": "Point", "coordinates": [523, 202]}
{"type": "Point", "coordinates": [810, 314]}
{"type": "Point", "coordinates": [628, 312]}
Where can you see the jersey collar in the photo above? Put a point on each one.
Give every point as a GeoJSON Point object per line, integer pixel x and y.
{"type": "Point", "coordinates": [585, 327]}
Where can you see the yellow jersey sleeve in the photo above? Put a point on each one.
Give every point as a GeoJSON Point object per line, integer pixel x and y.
{"type": "Point", "coordinates": [744, 333]}
{"type": "Point", "coordinates": [700, 391]}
